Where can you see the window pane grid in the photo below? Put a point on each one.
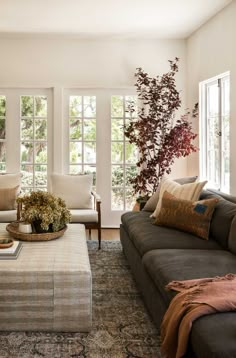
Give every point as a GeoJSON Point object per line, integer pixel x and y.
{"type": "Point", "coordinates": [34, 142]}
{"type": "Point", "coordinates": [82, 135]}
{"type": "Point", "coordinates": [122, 154]}
{"type": "Point", "coordinates": [217, 133]}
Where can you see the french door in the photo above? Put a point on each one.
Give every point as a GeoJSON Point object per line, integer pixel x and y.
{"type": "Point", "coordinates": [70, 131]}
{"type": "Point", "coordinates": [94, 143]}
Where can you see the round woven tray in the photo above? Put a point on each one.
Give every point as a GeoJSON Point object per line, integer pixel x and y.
{"type": "Point", "coordinates": [12, 228]}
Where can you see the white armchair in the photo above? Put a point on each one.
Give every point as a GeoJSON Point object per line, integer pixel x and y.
{"type": "Point", "coordinates": [9, 189]}
{"type": "Point", "coordinates": [84, 204]}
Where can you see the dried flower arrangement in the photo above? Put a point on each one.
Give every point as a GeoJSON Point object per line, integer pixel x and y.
{"type": "Point", "coordinates": [160, 138]}
{"type": "Point", "coordinates": [44, 208]}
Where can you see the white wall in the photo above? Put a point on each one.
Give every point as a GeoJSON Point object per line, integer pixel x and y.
{"type": "Point", "coordinates": [68, 61]}
{"type": "Point", "coordinates": [211, 51]}
{"type": "Point", "coordinates": [64, 61]}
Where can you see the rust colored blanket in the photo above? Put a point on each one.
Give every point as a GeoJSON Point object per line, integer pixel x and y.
{"type": "Point", "coordinates": [196, 298]}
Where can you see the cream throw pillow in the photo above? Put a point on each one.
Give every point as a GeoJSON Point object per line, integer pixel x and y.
{"type": "Point", "coordinates": [74, 189]}
{"type": "Point", "coordinates": [8, 198]}
{"type": "Point", "coordinates": [190, 191]}
{"type": "Point", "coordinates": [152, 202]}
{"type": "Point", "coordinates": [10, 180]}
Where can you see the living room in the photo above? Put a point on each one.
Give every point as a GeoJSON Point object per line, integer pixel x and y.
{"type": "Point", "coordinates": [61, 50]}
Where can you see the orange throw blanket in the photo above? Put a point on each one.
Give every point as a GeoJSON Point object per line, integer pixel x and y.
{"type": "Point", "coordinates": [196, 298]}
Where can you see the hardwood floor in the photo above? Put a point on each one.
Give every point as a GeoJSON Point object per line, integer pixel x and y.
{"type": "Point", "coordinates": [107, 234]}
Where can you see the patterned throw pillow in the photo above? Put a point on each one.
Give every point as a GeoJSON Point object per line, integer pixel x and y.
{"type": "Point", "coordinates": [185, 215]}
{"type": "Point", "coordinates": [190, 191]}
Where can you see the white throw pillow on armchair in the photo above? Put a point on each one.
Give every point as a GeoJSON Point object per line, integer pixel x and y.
{"type": "Point", "coordinates": [74, 189]}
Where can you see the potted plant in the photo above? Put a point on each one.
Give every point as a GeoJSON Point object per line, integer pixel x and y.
{"type": "Point", "coordinates": [158, 134]}
{"type": "Point", "coordinates": [45, 211]}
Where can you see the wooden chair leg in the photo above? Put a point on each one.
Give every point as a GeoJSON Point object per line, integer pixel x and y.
{"type": "Point", "coordinates": [89, 234]}
{"type": "Point", "coordinates": [99, 238]}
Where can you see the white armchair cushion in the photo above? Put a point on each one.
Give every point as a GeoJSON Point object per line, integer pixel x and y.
{"type": "Point", "coordinates": [74, 189]}
{"type": "Point", "coordinates": [83, 216]}
{"type": "Point", "coordinates": [7, 216]}
{"type": "Point", "coordinates": [10, 180]}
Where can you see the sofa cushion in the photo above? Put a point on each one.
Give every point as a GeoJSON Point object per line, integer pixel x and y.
{"type": "Point", "coordinates": [164, 266]}
{"type": "Point", "coordinates": [74, 189]}
{"type": "Point", "coordinates": [219, 344]}
{"type": "Point", "coordinates": [190, 191]}
{"type": "Point", "coordinates": [225, 212]}
{"type": "Point", "coordinates": [152, 202]}
{"type": "Point", "coordinates": [223, 195]}
{"type": "Point", "coordinates": [83, 216]}
{"type": "Point", "coordinates": [193, 217]}
{"type": "Point", "coordinates": [146, 236]}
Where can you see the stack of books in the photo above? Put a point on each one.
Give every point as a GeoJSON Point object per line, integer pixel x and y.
{"type": "Point", "coordinates": [12, 252]}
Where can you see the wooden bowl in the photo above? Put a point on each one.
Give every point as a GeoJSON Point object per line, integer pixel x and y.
{"type": "Point", "coordinates": [5, 243]}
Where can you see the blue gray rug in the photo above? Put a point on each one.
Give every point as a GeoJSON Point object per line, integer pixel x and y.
{"type": "Point", "coordinates": [122, 327]}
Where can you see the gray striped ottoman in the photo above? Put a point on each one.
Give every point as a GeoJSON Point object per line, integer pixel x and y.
{"type": "Point", "coordinates": [49, 286]}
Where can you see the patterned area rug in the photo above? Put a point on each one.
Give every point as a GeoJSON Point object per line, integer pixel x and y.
{"type": "Point", "coordinates": [121, 325]}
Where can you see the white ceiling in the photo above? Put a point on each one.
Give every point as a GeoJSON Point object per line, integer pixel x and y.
{"type": "Point", "coordinates": [125, 18]}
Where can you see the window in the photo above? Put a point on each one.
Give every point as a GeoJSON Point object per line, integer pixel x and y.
{"type": "Point", "coordinates": [215, 130]}
{"type": "Point", "coordinates": [34, 158]}
{"type": "Point", "coordinates": [82, 134]}
{"type": "Point", "coordinates": [123, 154]}
{"type": "Point", "coordinates": [2, 133]}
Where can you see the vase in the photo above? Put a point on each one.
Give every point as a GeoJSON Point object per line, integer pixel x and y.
{"type": "Point", "coordinates": [38, 229]}
{"type": "Point", "coordinates": [139, 204]}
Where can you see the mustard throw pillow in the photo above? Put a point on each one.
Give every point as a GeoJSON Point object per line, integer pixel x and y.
{"type": "Point", "coordinates": [8, 198]}
{"type": "Point", "coordinates": [185, 215]}
{"type": "Point", "coordinates": [190, 191]}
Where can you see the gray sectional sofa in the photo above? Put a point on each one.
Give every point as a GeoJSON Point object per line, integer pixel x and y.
{"type": "Point", "coordinates": [158, 255]}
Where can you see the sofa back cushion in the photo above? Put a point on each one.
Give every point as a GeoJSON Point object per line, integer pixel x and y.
{"type": "Point", "coordinates": [74, 189]}
{"type": "Point", "coordinates": [232, 236]}
{"type": "Point", "coordinates": [225, 196]}
{"type": "Point", "coordinates": [225, 212]}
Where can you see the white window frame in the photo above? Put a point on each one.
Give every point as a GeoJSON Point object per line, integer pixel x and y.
{"type": "Point", "coordinates": [110, 218]}
{"type": "Point", "coordinates": [34, 141]}
{"type": "Point", "coordinates": [83, 141]}
{"type": "Point", "coordinates": [204, 132]}
{"type": "Point", "coordinates": [3, 140]}
{"type": "Point", "coordinates": [13, 126]}
{"type": "Point", "coordinates": [122, 164]}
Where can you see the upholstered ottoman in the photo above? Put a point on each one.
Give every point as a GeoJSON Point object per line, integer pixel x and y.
{"type": "Point", "coordinates": [49, 286]}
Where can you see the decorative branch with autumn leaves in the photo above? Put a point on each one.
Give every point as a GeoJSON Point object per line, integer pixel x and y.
{"type": "Point", "coordinates": [159, 136]}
